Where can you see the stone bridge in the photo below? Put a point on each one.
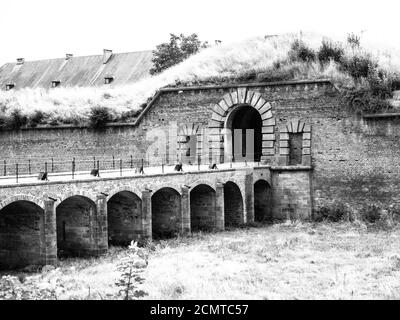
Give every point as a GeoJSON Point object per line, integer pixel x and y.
{"type": "Point", "coordinates": [41, 221]}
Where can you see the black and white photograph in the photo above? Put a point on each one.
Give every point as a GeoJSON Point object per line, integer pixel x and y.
{"type": "Point", "coordinates": [217, 152]}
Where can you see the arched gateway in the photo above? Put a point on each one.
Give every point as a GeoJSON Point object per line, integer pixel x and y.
{"type": "Point", "coordinates": [240, 110]}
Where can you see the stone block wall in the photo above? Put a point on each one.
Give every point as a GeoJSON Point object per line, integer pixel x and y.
{"type": "Point", "coordinates": [353, 161]}
{"type": "Point", "coordinates": [291, 194]}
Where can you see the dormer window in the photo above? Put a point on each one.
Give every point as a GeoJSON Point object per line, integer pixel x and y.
{"type": "Point", "coordinates": [9, 86]}
{"type": "Point", "coordinates": [108, 79]}
{"type": "Point", "coordinates": [55, 83]}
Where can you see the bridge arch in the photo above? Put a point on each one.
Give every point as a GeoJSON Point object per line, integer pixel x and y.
{"type": "Point", "coordinates": [262, 201]}
{"type": "Point", "coordinates": [75, 220]}
{"type": "Point", "coordinates": [166, 212]}
{"type": "Point", "coordinates": [124, 217]}
{"type": "Point", "coordinates": [22, 197]}
{"type": "Point", "coordinates": [201, 181]}
{"type": "Point", "coordinates": [233, 205]}
{"type": "Point", "coordinates": [77, 193]}
{"type": "Point", "coordinates": [22, 233]}
{"type": "Point", "coordinates": [202, 207]}
{"type": "Point", "coordinates": [114, 191]}
{"type": "Point", "coordinates": [167, 185]}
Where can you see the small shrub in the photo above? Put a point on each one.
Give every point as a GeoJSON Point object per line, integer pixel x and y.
{"type": "Point", "coordinates": [395, 82]}
{"type": "Point", "coordinates": [300, 52]}
{"type": "Point", "coordinates": [17, 120]}
{"type": "Point", "coordinates": [248, 75]}
{"type": "Point", "coordinates": [36, 118]}
{"type": "Point", "coordinates": [11, 288]}
{"type": "Point", "coordinates": [363, 100]}
{"type": "Point", "coordinates": [333, 213]}
{"type": "Point", "coordinates": [131, 269]}
{"type": "Point", "coordinates": [99, 116]}
{"type": "Point", "coordinates": [278, 74]}
{"type": "Point", "coordinates": [359, 66]}
{"type": "Point", "coordinates": [54, 122]}
{"type": "Point", "coordinates": [380, 88]}
{"type": "Point", "coordinates": [371, 213]}
{"type": "Point", "coordinates": [3, 122]}
{"type": "Point", "coordinates": [329, 51]}
{"type": "Point", "coordinates": [107, 96]}
{"type": "Point", "coordinates": [353, 40]}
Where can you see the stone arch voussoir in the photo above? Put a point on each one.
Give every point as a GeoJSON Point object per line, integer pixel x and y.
{"type": "Point", "coordinates": [22, 197]}
{"type": "Point", "coordinates": [166, 185]}
{"type": "Point", "coordinates": [80, 193]}
{"type": "Point", "coordinates": [114, 191]}
{"type": "Point", "coordinates": [202, 181]}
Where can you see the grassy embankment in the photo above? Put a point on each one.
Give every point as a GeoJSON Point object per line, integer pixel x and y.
{"type": "Point", "coordinates": [255, 59]}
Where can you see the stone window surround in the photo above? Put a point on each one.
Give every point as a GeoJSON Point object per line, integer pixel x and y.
{"type": "Point", "coordinates": [294, 126]}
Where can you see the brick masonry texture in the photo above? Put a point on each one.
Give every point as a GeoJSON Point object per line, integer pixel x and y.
{"type": "Point", "coordinates": [345, 159]}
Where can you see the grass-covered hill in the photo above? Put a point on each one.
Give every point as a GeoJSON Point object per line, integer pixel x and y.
{"type": "Point", "coordinates": [365, 72]}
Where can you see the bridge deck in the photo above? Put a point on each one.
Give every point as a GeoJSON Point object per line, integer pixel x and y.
{"type": "Point", "coordinates": [8, 181]}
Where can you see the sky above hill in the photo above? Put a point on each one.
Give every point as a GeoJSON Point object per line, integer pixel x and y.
{"type": "Point", "coordinates": [44, 29]}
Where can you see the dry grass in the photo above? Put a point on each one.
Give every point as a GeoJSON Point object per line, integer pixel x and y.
{"type": "Point", "coordinates": [230, 60]}
{"type": "Point", "coordinates": [300, 261]}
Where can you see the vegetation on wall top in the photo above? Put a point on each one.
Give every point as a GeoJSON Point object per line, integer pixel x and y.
{"type": "Point", "coordinates": [366, 74]}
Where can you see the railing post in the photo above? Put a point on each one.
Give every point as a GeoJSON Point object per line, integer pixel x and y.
{"type": "Point", "coordinates": [5, 168]}
{"type": "Point", "coordinates": [29, 166]}
{"type": "Point", "coordinates": [16, 171]}
{"type": "Point", "coordinates": [113, 162]}
{"type": "Point", "coordinates": [120, 167]}
{"type": "Point", "coordinates": [52, 165]}
{"type": "Point", "coordinates": [94, 162]}
{"type": "Point", "coordinates": [198, 162]}
{"type": "Point", "coordinates": [131, 162]}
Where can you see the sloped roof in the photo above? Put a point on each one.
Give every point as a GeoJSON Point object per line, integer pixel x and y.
{"type": "Point", "coordinates": [77, 71]}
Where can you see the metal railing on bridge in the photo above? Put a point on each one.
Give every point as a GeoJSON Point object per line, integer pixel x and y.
{"type": "Point", "coordinates": [112, 166]}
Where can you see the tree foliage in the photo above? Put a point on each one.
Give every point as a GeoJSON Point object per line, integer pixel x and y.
{"type": "Point", "coordinates": [179, 48]}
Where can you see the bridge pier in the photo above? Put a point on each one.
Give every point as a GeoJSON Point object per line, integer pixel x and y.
{"type": "Point", "coordinates": [146, 215]}
{"type": "Point", "coordinates": [49, 243]}
{"type": "Point", "coordinates": [185, 211]}
{"type": "Point", "coordinates": [248, 198]}
{"type": "Point", "coordinates": [100, 230]}
{"type": "Point", "coordinates": [219, 208]}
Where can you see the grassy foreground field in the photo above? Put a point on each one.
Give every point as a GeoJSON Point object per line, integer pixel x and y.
{"type": "Point", "coordinates": [282, 261]}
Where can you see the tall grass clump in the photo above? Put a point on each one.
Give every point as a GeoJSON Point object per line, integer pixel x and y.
{"type": "Point", "coordinates": [330, 51]}
{"type": "Point", "coordinates": [299, 51]}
